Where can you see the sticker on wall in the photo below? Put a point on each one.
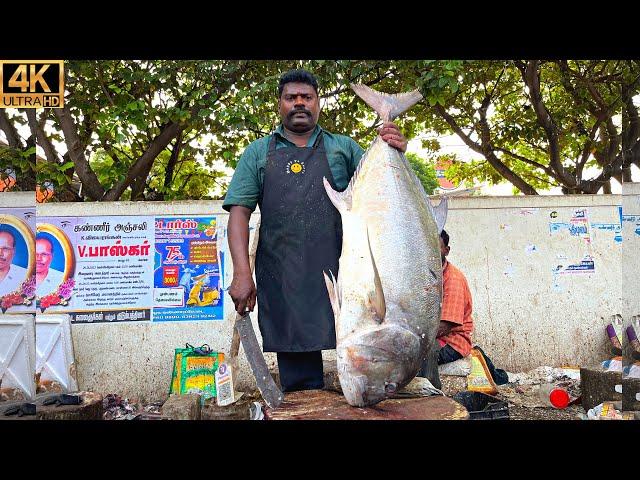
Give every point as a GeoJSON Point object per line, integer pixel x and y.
{"type": "Point", "coordinates": [556, 287]}
{"type": "Point", "coordinates": [579, 224]}
{"type": "Point", "coordinates": [505, 226]}
{"type": "Point", "coordinates": [585, 266]}
{"type": "Point", "coordinates": [553, 214]}
{"type": "Point", "coordinates": [525, 212]}
{"type": "Point", "coordinates": [530, 249]}
{"type": "Point", "coordinates": [635, 222]}
{"type": "Point", "coordinates": [615, 228]}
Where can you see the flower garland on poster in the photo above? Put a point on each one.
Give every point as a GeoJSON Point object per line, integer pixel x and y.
{"type": "Point", "coordinates": [23, 296]}
{"type": "Point", "coordinates": [59, 297]}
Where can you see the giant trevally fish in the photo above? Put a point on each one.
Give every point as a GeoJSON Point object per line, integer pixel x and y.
{"type": "Point", "coordinates": [387, 297]}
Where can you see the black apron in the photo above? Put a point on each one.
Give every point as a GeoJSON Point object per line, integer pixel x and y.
{"type": "Point", "coordinates": [300, 237]}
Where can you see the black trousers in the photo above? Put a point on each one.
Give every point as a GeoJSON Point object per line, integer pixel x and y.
{"type": "Point", "coordinates": [300, 370]}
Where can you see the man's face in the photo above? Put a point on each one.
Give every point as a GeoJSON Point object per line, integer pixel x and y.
{"type": "Point", "coordinates": [43, 256]}
{"type": "Point", "coordinates": [444, 250]}
{"type": "Point", "coordinates": [299, 107]}
{"type": "Point", "coordinates": [7, 251]}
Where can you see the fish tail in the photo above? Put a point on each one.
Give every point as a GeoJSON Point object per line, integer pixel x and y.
{"type": "Point", "coordinates": [386, 105]}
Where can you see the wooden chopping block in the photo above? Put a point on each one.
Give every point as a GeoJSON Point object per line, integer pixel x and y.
{"type": "Point", "coordinates": [329, 405]}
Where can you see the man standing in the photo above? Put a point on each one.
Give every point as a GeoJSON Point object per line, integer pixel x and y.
{"type": "Point", "coordinates": [300, 230]}
{"type": "Point", "coordinates": [11, 276]}
{"type": "Point", "coordinates": [47, 279]}
{"type": "Point", "coordinates": [456, 324]}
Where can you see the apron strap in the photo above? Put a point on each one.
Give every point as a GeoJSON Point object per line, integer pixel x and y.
{"type": "Point", "coordinates": [272, 142]}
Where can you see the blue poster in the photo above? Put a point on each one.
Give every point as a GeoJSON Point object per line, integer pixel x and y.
{"type": "Point", "coordinates": [187, 270]}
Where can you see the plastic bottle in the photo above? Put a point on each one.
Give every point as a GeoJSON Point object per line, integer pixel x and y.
{"type": "Point", "coordinates": [554, 396]}
{"type": "Point", "coordinates": [615, 339]}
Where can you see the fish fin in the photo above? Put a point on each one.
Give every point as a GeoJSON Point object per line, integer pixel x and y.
{"type": "Point", "coordinates": [388, 106]}
{"type": "Point", "coordinates": [338, 288]}
{"type": "Point", "coordinates": [340, 200]}
{"type": "Point", "coordinates": [440, 213]}
{"type": "Point", "coordinates": [333, 295]}
{"type": "Point", "coordinates": [377, 296]}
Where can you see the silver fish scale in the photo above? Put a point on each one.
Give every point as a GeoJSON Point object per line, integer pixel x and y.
{"type": "Point", "coordinates": [403, 236]}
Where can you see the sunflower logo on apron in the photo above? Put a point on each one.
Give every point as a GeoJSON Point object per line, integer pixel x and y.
{"type": "Point", "coordinates": [295, 167]}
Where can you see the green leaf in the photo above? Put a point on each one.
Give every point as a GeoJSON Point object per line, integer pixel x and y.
{"type": "Point", "coordinates": [65, 166]}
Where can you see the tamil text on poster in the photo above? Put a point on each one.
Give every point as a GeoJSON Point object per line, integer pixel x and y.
{"type": "Point", "coordinates": [97, 269]}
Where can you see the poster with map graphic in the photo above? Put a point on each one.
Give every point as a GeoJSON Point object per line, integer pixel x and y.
{"type": "Point", "coordinates": [188, 269]}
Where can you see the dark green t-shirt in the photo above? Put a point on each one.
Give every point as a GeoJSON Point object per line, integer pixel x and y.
{"type": "Point", "coordinates": [245, 188]}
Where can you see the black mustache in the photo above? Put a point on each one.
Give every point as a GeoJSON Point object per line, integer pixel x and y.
{"type": "Point", "coordinates": [301, 110]}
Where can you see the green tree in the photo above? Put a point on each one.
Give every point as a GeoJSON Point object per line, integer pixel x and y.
{"type": "Point", "coordinates": [535, 123]}
{"type": "Point", "coordinates": [161, 129]}
{"type": "Point", "coordinates": [125, 114]}
{"type": "Point", "coordinates": [425, 172]}
{"type": "Point", "coordinates": [18, 154]}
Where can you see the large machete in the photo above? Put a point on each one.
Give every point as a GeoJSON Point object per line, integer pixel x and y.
{"type": "Point", "coordinates": [267, 386]}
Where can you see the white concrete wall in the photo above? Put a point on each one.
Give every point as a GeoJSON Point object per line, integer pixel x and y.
{"type": "Point", "coordinates": [630, 280]}
{"type": "Point", "coordinates": [523, 317]}
{"type": "Point", "coordinates": [17, 199]}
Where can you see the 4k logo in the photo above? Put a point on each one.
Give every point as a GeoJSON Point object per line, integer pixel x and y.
{"type": "Point", "coordinates": [31, 83]}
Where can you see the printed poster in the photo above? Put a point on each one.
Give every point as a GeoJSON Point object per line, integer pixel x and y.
{"type": "Point", "coordinates": [17, 260]}
{"type": "Point", "coordinates": [188, 269]}
{"type": "Point", "coordinates": [97, 269]}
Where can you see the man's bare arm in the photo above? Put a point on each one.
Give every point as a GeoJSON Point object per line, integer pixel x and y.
{"type": "Point", "coordinates": [242, 289]}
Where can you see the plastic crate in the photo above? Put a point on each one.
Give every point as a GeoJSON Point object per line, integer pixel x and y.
{"type": "Point", "coordinates": [482, 406]}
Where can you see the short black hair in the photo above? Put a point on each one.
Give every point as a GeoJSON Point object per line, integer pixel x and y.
{"type": "Point", "coordinates": [297, 76]}
{"type": "Point", "coordinates": [445, 237]}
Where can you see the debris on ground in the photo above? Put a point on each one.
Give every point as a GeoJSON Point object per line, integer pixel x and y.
{"type": "Point", "coordinates": [153, 408]}
{"type": "Point", "coordinates": [544, 374]}
{"type": "Point", "coordinates": [606, 411]}
{"type": "Point", "coordinates": [118, 408]}
{"type": "Point", "coordinates": [256, 412]}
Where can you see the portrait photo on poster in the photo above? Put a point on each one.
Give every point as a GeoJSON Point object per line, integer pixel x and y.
{"type": "Point", "coordinates": [55, 264]}
{"type": "Point", "coordinates": [16, 264]}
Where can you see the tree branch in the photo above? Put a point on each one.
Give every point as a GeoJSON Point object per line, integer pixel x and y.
{"type": "Point", "coordinates": [171, 164]}
{"type": "Point", "coordinates": [168, 132]}
{"type": "Point", "coordinates": [546, 169]}
{"type": "Point", "coordinates": [487, 152]}
{"type": "Point", "coordinates": [531, 78]}
{"type": "Point", "coordinates": [92, 187]}
{"type": "Point", "coordinates": [42, 139]}
{"type": "Point", "coordinates": [13, 139]}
